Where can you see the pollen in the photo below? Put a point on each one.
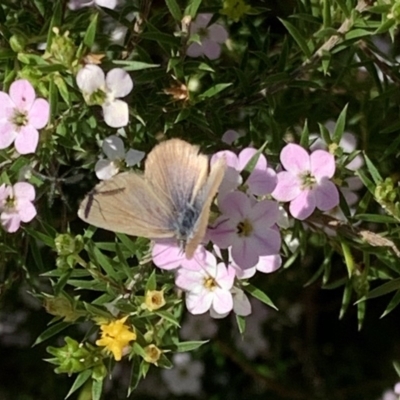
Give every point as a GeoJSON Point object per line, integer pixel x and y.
{"type": "Point", "coordinates": [210, 283]}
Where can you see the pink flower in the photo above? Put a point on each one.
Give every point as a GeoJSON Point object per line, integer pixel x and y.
{"type": "Point", "coordinates": [305, 183]}
{"type": "Point", "coordinates": [247, 227]}
{"type": "Point", "coordinates": [16, 205]}
{"type": "Point", "coordinates": [21, 115]}
{"type": "Point", "coordinates": [211, 38]}
{"type": "Point", "coordinates": [208, 287]}
{"type": "Point", "coordinates": [231, 136]}
{"type": "Point", "coordinates": [167, 254]}
{"type": "Point", "coordinates": [261, 181]}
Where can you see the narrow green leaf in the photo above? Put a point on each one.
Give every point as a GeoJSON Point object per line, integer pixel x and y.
{"type": "Point", "coordinates": [51, 331]}
{"type": "Point", "coordinates": [104, 262]}
{"type": "Point", "coordinates": [54, 23]}
{"type": "Point", "coordinates": [393, 304]}
{"type": "Point", "coordinates": [97, 388]}
{"type": "Point", "coordinates": [37, 255]}
{"type": "Point", "coordinates": [376, 176]}
{"type": "Point", "coordinates": [294, 32]}
{"type": "Point", "coordinates": [151, 283]}
{"type": "Point", "coordinates": [183, 347]}
{"type": "Point", "coordinates": [366, 181]}
{"type": "Point", "coordinates": [135, 375]}
{"type": "Point", "coordinates": [260, 295]}
{"type": "Point", "coordinates": [348, 290]}
{"type": "Point", "coordinates": [241, 323]}
{"type": "Point", "coordinates": [380, 219]}
{"type": "Point", "coordinates": [361, 309]}
{"type": "Point", "coordinates": [305, 134]}
{"type": "Point", "coordinates": [342, 4]}
{"type": "Point", "coordinates": [90, 34]}
{"type": "Point", "coordinates": [396, 365]}
{"type": "Point", "coordinates": [134, 65]}
{"type": "Point", "coordinates": [174, 9]}
{"type": "Point", "coordinates": [219, 87]}
{"type": "Point", "coordinates": [325, 134]}
{"type": "Point", "coordinates": [47, 240]}
{"type": "Point", "coordinates": [192, 7]}
{"type": "Point", "coordinates": [79, 381]}
{"type": "Point", "coordinates": [168, 316]}
{"type": "Point", "coordinates": [340, 126]}
{"type": "Point", "coordinates": [383, 289]}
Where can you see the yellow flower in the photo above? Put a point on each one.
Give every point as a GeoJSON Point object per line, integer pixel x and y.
{"type": "Point", "coordinates": [153, 354]}
{"type": "Point", "coordinates": [235, 9]}
{"type": "Point", "coordinates": [115, 336]}
{"type": "Point", "coordinates": [154, 299]}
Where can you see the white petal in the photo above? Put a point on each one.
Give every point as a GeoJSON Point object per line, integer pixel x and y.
{"type": "Point", "coordinates": [119, 82]}
{"type": "Point", "coordinates": [113, 148]}
{"type": "Point", "coordinates": [116, 113]}
{"type": "Point", "coordinates": [107, 3]}
{"type": "Point", "coordinates": [134, 157]}
{"type": "Point", "coordinates": [90, 78]}
{"type": "Point", "coordinates": [105, 169]}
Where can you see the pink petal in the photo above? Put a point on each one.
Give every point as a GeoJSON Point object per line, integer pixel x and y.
{"type": "Point", "coordinates": [24, 191]}
{"type": "Point", "coordinates": [10, 221]}
{"type": "Point", "coordinates": [230, 136]}
{"type": "Point", "coordinates": [230, 157]}
{"type": "Point", "coordinates": [217, 33]}
{"type": "Point", "coordinates": [199, 303]}
{"type": "Point", "coordinates": [7, 134]}
{"type": "Point", "coordinates": [38, 115]}
{"type": "Point", "coordinates": [356, 163]}
{"type": "Point", "coordinates": [224, 277]}
{"type": "Point", "coordinates": [224, 232]}
{"type": "Point", "coordinates": [245, 253]}
{"type": "Point", "coordinates": [194, 50]}
{"type": "Point", "coordinates": [22, 94]}
{"type": "Point", "coordinates": [326, 195]}
{"type": "Point", "coordinates": [287, 187]}
{"type": "Point", "coordinates": [26, 211]}
{"type": "Point", "coordinates": [166, 255]}
{"type": "Point", "coordinates": [322, 164]}
{"type": "Point", "coordinates": [201, 21]}
{"type": "Point", "coordinates": [119, 82]}
{"type": "Point", "coordinates": [211, 49]}
{"type": "Point", "coordinates": [27, 140]}
{"type": "Point", "coordinates": [303, 205]}
{"type": "Point", "coordinates": [262, 182]}
{"type": "Point", "coordinates": [266, 241]}
{"type": "Point", "coordinates": [241, 303]}
{"type": "Point", "coordinates": [247, 154]}
{"type": "Point", "coordinates": [295, 159]}
{"type": "Point", "coordinates": [116, 113]}
{"type": "Point", "coordinates": [236, 205]}
{"type": "Point", "coordinates": [190, 280]}
{"type": "Point", "coordinates": [268, 264]}
{"type": "Point", "coordinates": [6, 105]}
{"type": "Point", "coordinates": [107, 3]}
{"type": "Point", "coordinates": [222, 301]}
{"type": "Point", "coordinates": [348, 142]}
{"type": "Point", "coordinates": [265, 212]}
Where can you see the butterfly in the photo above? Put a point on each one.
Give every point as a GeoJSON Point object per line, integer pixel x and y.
{"type": "Point", "coordinates": [171, 199]}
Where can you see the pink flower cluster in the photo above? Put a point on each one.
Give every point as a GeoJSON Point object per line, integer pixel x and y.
{"type": "Point", "coordinates": [245, 237]}
{"type": "Point", "coordinates": [21, 115]}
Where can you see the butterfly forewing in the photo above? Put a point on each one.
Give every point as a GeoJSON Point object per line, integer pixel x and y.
{"type": "Point", "coordinates": [127, 204]}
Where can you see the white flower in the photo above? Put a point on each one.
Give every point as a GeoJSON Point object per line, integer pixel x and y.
{"type": "Point", "coordinates": [185, 377]}
{"type": "Point", "coordinates": [211, 38]}
{"type": "Point", "coordinates": [114, 149]}
{"type": "Point", "coordinates": [77, 4]}
{"type": "Point", "coordinates": [105, 90]}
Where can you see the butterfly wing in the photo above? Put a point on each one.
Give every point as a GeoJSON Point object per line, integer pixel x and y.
{"type": "Point", "coordinates": [128, 204]}
{"type": "Point", "coordinates": [205, 198]}
{"type": "Point", "coordinates": [176, 169]}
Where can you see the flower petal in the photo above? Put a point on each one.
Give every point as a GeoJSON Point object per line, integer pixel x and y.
{"type": "Point", "coordinates": [10, 221]}
{"type": "Point", "coordinates": [322, 164]}
{"type": "Point", "coordinates": [224, 232]}
{"type": "Point", "coordinates": [303, 205]}
{"type": "Point", "coordinates": [262, 182]}
{"type": "Point", "coordinates": [38, 115]}
{"type": "Point", "coordinates": [211, 49]}
{"type": "Point", "coordinates": [116, 113]}
{"type": "Point", "coordinates": [133, 157]}
{"type": "Point", "coordinates": [22, 94]}
{"type": "Point", "coordinates": [27, 140]}
{"type": "Point", "coordinates": [105, 169]}
{"type": "Point", "coordinates": [26, 211]}
{"type": "Point", "coordinates": [107, 3]}
{"type": "Point", "coordinates": [287, 187]}
{"type": "Point", "coordinates": [236, 205]}
{"type": "Point", "coordinates": [113, 147]}
{"type": "Point", "coordinates": [24, 191]}
{"type": "Point", "coordinates": [90, 78]}
{"type": "Point", "coordinates": [7, 105]}
{"type": "Point", "coordinates": [230, 136]}
{"type": "Point", "coordinates": [7, 134]}
{"type": "Point", "coordinates": [241, 303]}
{"type": "Point", "coordinates": [217, 33]}
{"type": "Point", "coordinates": [230, 157]}
{"type": "Point", "coordinates": [119, 82]}
{"type": "Point", "coordinates": [265, 213]}
{"type": "Point", "coordinates": [268, 264]}
{"type": "Point", "coordinates": [265, 241]}
{"type": "Point", "coordinates": [199, 303]}
{"type": "Point", "coordinates": [194, 50]}
{"type": "Point", "coordinates": [201, 21]}
{"type": "Point", "coordinates": [295, 159]}
{"type": "Point", "coordinates": [326, 195]}
{"type": "Point", "coordinates": [245, 253]}
{"type": "Point", "coordinates": [222, 301]}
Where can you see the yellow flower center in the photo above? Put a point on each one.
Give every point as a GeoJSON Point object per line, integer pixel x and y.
{"type": "Point", "coordinates": [210, 283]}
{"type": "Point", "coordinates": [244, 228]}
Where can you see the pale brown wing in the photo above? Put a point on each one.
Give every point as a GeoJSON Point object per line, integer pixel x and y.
{"type": "Point", "coordinates": [127, 204]}
{"type": "Point", "coordinates": [176, 169]}
{"type": "Point", "coordinates": [209, 191]}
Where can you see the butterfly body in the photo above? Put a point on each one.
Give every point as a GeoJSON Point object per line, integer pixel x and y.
{"type": "Point", "coordinates": [171, 199]}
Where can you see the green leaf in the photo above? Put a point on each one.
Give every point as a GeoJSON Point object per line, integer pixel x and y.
{"type": "Point", "coordinates": [168, 316]}
{"type": "Point", "coordinates": [90, 34]}
{"type": "Point", "coordinates": [183, 347]}
{"type": "Point", "coordinates": [383, 289]}
{"type": "Point", "coordinates": [366, 181]}
{"type": "Point", "coordinates": [241, 323]}
{"type": "Point", "coordinates": [47, 240]}
{"type": "Point", "coordinates": [151, 283]}
{"type": "Point", "coordinates": [396, 366]}
{"type": "Point", "coordinates": [219, 87]}
{"type": "Point", "coordinates": [380, 219]}
{"type": "Point", "coordinates": [51, 331]}
{"type": "Point", "coordinates": [393, 304]}
{"type": "Point", "coordinates": [294, 32]}
{"type": "Point", "coordinates": [260, 295]}
{"type": "Point", "coordinates": [254, 159]}
{"type": "Point", "coordinates": [174, 9]}
{"type": "Point", "coordinates": [54, 23]}
{"type": "Point", "coordinates": [104, 262]}
{"type": "Point", "coordinates": [305, 134]}
{"type": "Point", "coordinates": [340, 126]}
{"type": "Point", "coordinates": [192, 7]}
{"type": "Point", "coordinates": [325, 134]}
{"type": "Point", "coordinates": [97, 388]}
{"type": "Point", "coordinates": [348, 290]}
{"type": "Point", "coordinates": [342, 4]}
{"type": "Point", "coordinates": [160, 37]}
{"type": "Point", "coordinates": [79, 381]}
{"type": "Point", "coordinates": [361, 309]}
{"type": "Point", "coordinates": [135, 65]}
{"type": "Point", "coordinates": [376, 176]}
{"type": "Point", "coordinates": [135, 375]}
